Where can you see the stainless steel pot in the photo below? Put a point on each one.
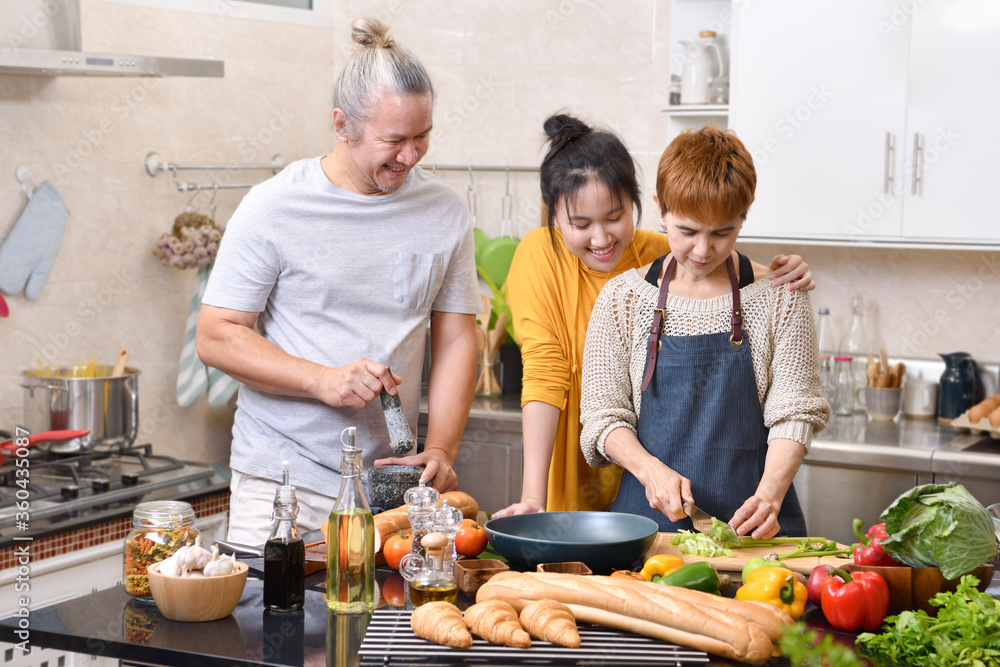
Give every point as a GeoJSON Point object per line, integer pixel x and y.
{"type": "Point", "coordinates": [106, 406]}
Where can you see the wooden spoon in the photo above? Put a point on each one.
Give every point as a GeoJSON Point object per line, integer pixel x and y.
{"type": "Point", "coordinates": [120, 363]}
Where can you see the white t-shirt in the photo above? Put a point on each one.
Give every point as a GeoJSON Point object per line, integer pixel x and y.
{"type": "Point", "coordinates": [336, 276]}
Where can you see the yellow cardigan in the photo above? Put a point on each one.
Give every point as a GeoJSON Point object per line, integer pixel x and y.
{"type": "Point", "coordinates": [551, 295]}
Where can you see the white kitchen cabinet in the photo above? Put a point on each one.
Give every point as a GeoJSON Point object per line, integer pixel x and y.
{"type": "Point", "coordinates": [828, 98]}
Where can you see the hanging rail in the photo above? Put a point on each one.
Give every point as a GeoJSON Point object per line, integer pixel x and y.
{"type": "Point", "coordinates": [472, 167]}
{"type": "Point", "coordinates": [155, 164]}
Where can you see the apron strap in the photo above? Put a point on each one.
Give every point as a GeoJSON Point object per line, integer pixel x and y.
{"type": "Point", "coordinates": [653, 344]}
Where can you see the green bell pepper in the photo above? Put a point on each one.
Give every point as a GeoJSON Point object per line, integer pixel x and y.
{"type": "Point", "coordinates": [699, 576]}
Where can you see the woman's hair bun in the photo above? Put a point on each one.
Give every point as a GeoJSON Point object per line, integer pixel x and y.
{"type": "Point", "coordinates": [370, 33]}
{"type": "Point", "coordinates": [561, 129]}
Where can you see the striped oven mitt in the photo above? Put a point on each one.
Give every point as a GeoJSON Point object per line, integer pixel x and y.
{"type": "Point", "coordinates": [194, 378]}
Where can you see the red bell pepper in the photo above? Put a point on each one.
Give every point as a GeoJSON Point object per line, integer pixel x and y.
{"type": "Point", "coordinates": [861, 600]}
{"type": "Point", "coordinates": [869, 549]}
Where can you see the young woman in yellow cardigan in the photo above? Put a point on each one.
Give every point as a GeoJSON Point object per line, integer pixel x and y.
{"type": "Point", "coordinates": [590, 186]}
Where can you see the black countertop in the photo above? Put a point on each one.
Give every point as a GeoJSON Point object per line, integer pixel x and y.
{"type": "Point", "coordinates": [111, 623]}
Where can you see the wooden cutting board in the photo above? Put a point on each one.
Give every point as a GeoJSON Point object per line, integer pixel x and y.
{"type": "Point", "coordinates": [316, 557]}
{"type": "Point", "coordinates": [742, 556]}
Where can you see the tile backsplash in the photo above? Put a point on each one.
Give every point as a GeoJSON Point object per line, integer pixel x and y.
{"type": "Point", "coordinates": [499, 69]}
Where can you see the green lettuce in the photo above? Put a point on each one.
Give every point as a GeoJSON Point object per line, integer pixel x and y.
{"type": "Point", "coordinates": [940, 525]}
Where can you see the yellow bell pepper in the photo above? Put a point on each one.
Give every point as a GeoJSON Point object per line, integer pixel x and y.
{"type": "Point", "coordinates": [660, 564]}
{"type": "Point", "coordinates": [777, 586]}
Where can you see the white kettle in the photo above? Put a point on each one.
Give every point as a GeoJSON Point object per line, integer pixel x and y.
{"type": "Point", "coordinates": [700, 67]}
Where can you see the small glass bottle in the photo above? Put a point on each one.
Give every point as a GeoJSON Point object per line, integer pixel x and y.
{"type": "Point", "coordinates": [675, 89]}
{"type": "Point", "coordinates": [718, 91]}
{"type": "Point", "coordinates": [824, 341]}
{"type": "Point", "coordinates": [843, 402]}
{"type": "Point", "coordinates": [857, 345]}
{"type": "Point", "coordinates": [159, 528]}
{"type": "Point", "coordinates": [350, 570]}
{"type": "Point", "coordinates": [447, 521]}
{"type": "Point", "coordinates": [432, 578]}
{"type": "Point", "coordinates": [284, 553]}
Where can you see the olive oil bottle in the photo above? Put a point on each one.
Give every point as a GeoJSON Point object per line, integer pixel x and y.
{"type": "Point", "coordinates": [350, 571]}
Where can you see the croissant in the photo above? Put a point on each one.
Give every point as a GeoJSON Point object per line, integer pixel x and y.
{"type": "Point", "coordinates": [441, 623]}
{"type": "Point", "coordinates": [496, 621]}
{"type": "Point", "coordinates": [550, 621]}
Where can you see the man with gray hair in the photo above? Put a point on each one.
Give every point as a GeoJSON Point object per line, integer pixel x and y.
{"type": "Point", "coordinates": [339, 263]}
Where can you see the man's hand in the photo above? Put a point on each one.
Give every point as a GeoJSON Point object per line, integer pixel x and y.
{"type": "Point", "coordinates": [437, 468]}
{"type": "Point", "coordinates": [356, 384]}
{"type": "Point", "coordinates": [793, 271]}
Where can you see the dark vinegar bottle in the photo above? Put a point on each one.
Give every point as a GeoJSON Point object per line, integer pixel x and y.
{"type": "Point", "coordinates": [284, 554]}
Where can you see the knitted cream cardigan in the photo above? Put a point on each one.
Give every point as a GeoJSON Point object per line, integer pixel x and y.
{"type": "Point", "coordinates": [782, 337]}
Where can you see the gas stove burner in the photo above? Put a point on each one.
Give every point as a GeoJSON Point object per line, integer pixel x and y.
{"type": "Point", "coordinates": [70, 492]}
{"type": "Point", "coordinates": [100, 485]}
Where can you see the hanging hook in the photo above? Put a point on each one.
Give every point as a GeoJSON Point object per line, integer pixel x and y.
{"type": "Point", "coordinates": [211, 202]}
{"type": "Point", "coordinates": [23, 176]}
{"type": "Point", "coordinates": [471, 197]}
{"type": "Point", "coordinates": [197, 191]}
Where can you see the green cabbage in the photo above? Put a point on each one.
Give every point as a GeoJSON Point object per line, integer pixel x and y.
{"type": "Point", "coordinates": [940, 525]}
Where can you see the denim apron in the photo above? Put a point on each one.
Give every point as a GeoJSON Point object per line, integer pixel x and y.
{"type": "Point", "coordinates": [702, 418]}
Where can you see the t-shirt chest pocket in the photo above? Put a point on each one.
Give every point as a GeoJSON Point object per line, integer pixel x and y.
{"type": "Point", "coordinates": [418, 278]}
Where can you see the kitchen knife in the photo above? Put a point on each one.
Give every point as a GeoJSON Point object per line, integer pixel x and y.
{"type": "Point", "coordinates": [400, 436]}
{"type": "Point", "coordinates": [255, 552]}
{"type": "Point", "coordinates": [705, 523]}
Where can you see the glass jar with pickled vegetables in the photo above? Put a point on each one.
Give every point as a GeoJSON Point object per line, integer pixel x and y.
{"type": "Point", "coordinates": [159, 528]}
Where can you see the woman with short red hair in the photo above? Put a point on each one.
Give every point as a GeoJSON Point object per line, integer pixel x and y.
{"type": "Point", "coordinates": [700, 378]}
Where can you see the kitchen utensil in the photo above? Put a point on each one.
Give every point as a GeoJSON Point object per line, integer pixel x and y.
{"type": "Point", "coordinates": [961, 386]}
{"type": "Point", "coordinates": [387, 484]}
{"type": "Point", "coordinates": [8, 447]}
{"type": "Point", "coordinates": [197, 599]}
{"type": "Point", "coordinates": [401, 438]}
{"type": "Point", "coordinates": [700, 68]}
{"type": "Point", "coordinates": [487, 383]}
{"type": "Point", "coordinates": [744, 555]}
{"type": "Point", "coordinates": [881, 404]}
{"type": "Point", "coordinates": [120, 363]}
{"type": "Point", "coordinates": [571, 567]}
{"type": "Point", "coordinates": [480, 241]}
{"type": "Point", "coordinates": [497, 255]}
{"type": "Point", "coordinates": [919, 398]}
{"type": "Point", "coordinates": [703, 523]}
{"type": "Point", "coordinates": [108, 407]}
{"type": "Point", "coordinates": [604, 541]}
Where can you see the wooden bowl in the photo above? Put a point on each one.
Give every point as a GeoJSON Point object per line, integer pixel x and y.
{"type": "Point", "coordinates": [197, 599]}
{"type": "Point", "coordinates": [569, 567]}
{"type": "Point", "coordinates": [913, 587]}
{"type": "Point", "coordinates": [474, 572]}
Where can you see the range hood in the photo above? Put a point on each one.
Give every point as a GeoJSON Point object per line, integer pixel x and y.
{"type": "Point", "coordinates": [42, 38]}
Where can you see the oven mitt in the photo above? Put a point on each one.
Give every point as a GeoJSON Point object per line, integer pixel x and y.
{"type": "Point", "coordinates": [29, 251]}
{"type": "Point", "coordinates": [194, 378]}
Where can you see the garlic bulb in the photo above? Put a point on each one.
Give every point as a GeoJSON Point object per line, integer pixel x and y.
{"type": "Point", "coordinates": [220, 564]}
{"type": "Point", "coordinates": [193, 560]}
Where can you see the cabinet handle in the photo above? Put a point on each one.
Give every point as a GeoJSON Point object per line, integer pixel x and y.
{"type": "Point", "coordinates": [890, 147]}
{"type": "Point", "coordinates": [918, 149]}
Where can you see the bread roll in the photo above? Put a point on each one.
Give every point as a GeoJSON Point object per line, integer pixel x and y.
{"type": "Point", "coordinates": [995, 418]}
{"type": "Point", "coordinates": [644, 609]}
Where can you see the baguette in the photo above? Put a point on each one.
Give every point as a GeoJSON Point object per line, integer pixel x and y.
{"type": "Point", "coordinates": [642, 609]}
{"type": "Point", "coordinates": [394, 521]}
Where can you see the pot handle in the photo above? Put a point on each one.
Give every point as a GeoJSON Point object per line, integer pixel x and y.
{"type": "Point", "coordinates": [50, 387]}
{"type": "Point", "coordinates": [134, 431]}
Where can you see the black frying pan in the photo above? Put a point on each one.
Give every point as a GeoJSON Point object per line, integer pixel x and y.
{"type": "Point", "coordinates": [605, 541]}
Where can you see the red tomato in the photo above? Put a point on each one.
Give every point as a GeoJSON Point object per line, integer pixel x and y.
{"type": "Point", "coordinates": [395, 548]}
{"type": "Point", "coordinates": [471, 538]}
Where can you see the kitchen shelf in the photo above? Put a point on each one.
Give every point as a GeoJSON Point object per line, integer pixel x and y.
{"type": "Point", "coordinates": [704, 110]}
